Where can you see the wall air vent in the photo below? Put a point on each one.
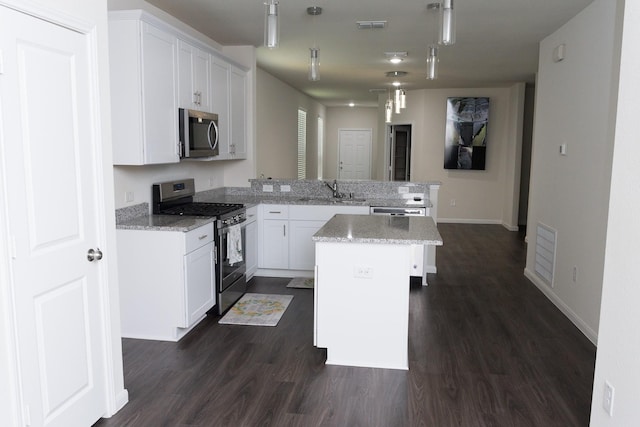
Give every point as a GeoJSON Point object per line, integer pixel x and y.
{"type": "Point", "coordinates": [370, 25]}
{"type": "Point", "coordinates": [545, 253]}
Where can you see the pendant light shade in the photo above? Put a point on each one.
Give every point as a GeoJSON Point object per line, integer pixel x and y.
{"type": "Point", "coordinates": [314, 64]}
{"type": "Point", "coordinates": [271, 27]}
{"type": "Point", "coordinates": [432, 63]}
{"type": "Point", "coordinates": [396, 101]}
{"type": "Point", "coordinates": [388, 110]}
{"type": "Point", "coordinates": [447, 33]}
{"type": "Point", "coordinates": [403, 99]}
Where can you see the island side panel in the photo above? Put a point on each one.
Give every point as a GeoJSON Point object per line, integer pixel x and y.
{"type": "Point", "coordinates": [363, 321]}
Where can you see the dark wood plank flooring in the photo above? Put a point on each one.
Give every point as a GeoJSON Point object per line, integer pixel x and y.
{"type": "Point", "coordinates": [486, 348]}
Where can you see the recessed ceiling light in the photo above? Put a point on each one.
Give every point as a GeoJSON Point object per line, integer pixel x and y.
{"type": "Point", "coordinates": [370, 25]}
{"type": "Point", "coordinates": [396, 84]}
{"type": "Point", "coordinates": [396, 73]}
{"type": "Point", "coordinates": [395, 57]}
{"type": "Point", "coordinates": [352, 104]}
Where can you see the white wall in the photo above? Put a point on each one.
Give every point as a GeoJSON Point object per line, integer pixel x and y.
{"type": "Point", "coordinates": [348, 118]}
{"type": "Point", "coordinates": [277, 128]}
{"type": "Point", "coordinates": [619, 334]}
{"type": "Point", "coordinates": [570, 193]}
{"type": "Point", "coordinates": [489, 196]}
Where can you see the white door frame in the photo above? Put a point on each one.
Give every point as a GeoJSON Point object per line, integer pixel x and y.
{"type": "Point", "coordinates": [11, 405]}
{"type": "Point", "coordinates": [340, 130]}
{"type": "Point", "coordinates": [387, 146]}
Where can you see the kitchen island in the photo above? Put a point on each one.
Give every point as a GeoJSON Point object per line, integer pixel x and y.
{"type": "Point", "coordinates": [361, 295]}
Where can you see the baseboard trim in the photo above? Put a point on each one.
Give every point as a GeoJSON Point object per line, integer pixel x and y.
{"type": "Point", "coordinates": [510, 227]}
{"type": "Point", "coordinates": [564, 308]}
{"type": "Point", "coordinates": [469, 221]}
{"type": "Point", "coordinates": [269, 272]}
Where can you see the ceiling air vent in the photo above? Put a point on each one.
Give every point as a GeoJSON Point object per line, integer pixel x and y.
{"type": "Point", "coordinates": [370, 25]}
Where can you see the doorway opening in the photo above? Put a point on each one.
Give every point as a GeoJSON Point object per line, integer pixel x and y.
{"type": "Point", "coordinates": [399, 153]}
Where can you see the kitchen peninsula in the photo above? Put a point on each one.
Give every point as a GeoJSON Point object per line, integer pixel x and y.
{"type": "Point", "coordinates": [361, 300]}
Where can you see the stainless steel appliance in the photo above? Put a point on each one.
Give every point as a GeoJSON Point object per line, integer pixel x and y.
{"type": "Point", "coordinates": [398, 211]}
{"type": "Point", "coordinates": [176, 198]}
{"type": "Point", "coordinates": [198, 133]}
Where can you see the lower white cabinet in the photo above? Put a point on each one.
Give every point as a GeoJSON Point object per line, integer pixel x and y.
{"type": "Point", "coordinates": [285, 235]}
{"type": "Point", "coordinates": [251, 242]}
{"type": "Point", "coordinates": [167, 281]}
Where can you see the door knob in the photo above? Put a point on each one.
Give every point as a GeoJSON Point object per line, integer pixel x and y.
{"type": "Point", "coordinates": [94, 255]}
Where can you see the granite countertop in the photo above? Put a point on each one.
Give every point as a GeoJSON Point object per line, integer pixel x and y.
{"type": "Point", "coordinates": [251, 200]}
{"type": "Point", "coordinates": [163, 222]}
{"type": "Point", "coordinates": [408, 230]}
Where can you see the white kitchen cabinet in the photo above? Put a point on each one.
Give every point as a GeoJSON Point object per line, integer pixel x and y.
{"type": "Point", "coordinates": [167, 281]}
{"type": "Point", "coordinates": [274, 237]}
{"type": "Point", "coordinates": [229, 102]}
{"type": "Point", "coordinates": [220, 71]}
{"type": "Point", "coordinates": [194, 77]}
{"type": "Point", "coordinates": [238, 108]}
{"type": "Point", "coordinates": [143, 92]}
{"type": "Point", "coordinates": [286, 247]}
{"type": "Point", "coordinates": [251, 242]}
{"type": "Point", "coordinates": [302, 252]}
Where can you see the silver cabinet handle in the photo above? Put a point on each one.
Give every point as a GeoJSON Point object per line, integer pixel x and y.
{"type": "Point", "coordinates": [275, 212]}
{"type": "Point", "coordinates": [204, 236]}
{"type": "Point", "coordinates": [284, 230]}
{"type": "Point", "coordinates": [94, 255]}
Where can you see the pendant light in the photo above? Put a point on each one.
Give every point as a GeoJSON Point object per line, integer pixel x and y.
{"type": "Point", "coordinates": [271, 27]}
{"type": "Point", "coordinates": [314, 64]}
{"type": "Point", "coordinates": [396, 101]}
{"type": "Point", "coordinates": [314, 52]}
{"type": "Point", "coordinates": [388, 109]}
{"type": "Point", "coordinates": [447, 33]}
{"type": "Point", "coordinates": [432, 63]}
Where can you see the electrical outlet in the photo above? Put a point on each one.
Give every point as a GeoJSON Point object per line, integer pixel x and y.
{"type": "Point", "coordinates": [129, 196]}
{"type": "Point", "coordinates": [607, 400]}
{"type": "Point", "coordinates": [363, 272]}
{"type": "Point", "coordinates": [403, 190]}
{"type": "Point", "coordinates": [285, 188]}
{"type": "Point", "coordinates": [452, 202]}
{"type": "Point", "coordinates": [267, 188]}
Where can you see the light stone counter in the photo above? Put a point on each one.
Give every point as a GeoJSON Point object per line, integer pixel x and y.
{"type": "Point", "coordinates": [408, 230]}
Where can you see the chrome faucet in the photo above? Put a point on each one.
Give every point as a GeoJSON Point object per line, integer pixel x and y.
{"type": "Point", "coordinates": [334, 188]}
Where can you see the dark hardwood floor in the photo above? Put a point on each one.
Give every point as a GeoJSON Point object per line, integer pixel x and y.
{"type": "Point", "coordinates": [486, 348]}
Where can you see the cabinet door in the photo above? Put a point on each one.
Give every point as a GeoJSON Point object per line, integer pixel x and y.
{"type": "Point", "coordinates": [220, 102]}
{"type": "Point", "coordinates": [302, 254]}
{"type": "Point", "coordinates": [275, 244]}
{"type": "Point", "coordinates": [199, 278]}
{"type": "Point", "coordinates": [251, 250]}
{"type": "Point", "coordinates": [160, 112]}
{"type": "Point", "coordinates": [238, 99]}
{"type": "Point", "coordinates": [193, 78]}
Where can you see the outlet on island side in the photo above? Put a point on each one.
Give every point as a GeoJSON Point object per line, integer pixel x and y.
{"type": "Point", "coordinates": [452, 202]}
{"type": "Point", "coordinates": [607, 399]}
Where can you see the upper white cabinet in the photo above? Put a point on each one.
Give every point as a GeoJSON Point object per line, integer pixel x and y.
{"type": "Point", "coordinates": [229, 102]}
{"type": "Point", "coordinates": [156, 69]}
{"type": "Point", "coordinates": [238, 140]}
{"type": "Point", "coordinates": [143, 93]}
{"type": "Point", "coordinates": [194, 76]}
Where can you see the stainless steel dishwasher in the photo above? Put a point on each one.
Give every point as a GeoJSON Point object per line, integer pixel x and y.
{"type": "Point", "coordinates": [397, 211]}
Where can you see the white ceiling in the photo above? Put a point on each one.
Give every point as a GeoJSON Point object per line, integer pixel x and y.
{"type": "Point", "coordinates": [497, 41]}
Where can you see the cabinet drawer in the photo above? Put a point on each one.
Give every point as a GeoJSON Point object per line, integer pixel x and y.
{"type": "Point", "coordinates": [198, 237]}
{"type": "Point", "coordinates": [275, 211]}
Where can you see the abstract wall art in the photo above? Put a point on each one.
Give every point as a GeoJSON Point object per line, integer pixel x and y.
{"type": "Point", "coordinates": [465, 145]}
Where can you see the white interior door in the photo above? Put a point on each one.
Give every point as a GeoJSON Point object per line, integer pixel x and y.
{"type": "Point", "coordinates": [48, 139]}
{"type": "Point", "coordinates": [355, 154]}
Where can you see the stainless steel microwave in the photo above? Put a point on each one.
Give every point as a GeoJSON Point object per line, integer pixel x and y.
{"type": "Point", "coordinates": [199, 136]}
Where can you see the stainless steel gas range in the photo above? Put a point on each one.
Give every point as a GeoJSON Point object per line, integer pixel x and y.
{"type": "Point", "coordinates": [176, 198]}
